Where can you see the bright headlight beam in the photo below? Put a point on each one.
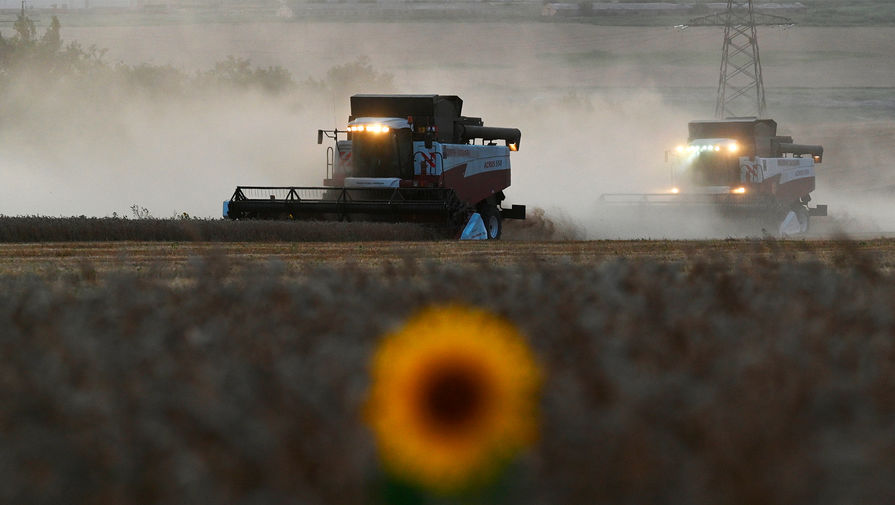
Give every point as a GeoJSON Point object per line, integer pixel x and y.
{"type": "Point", "coordinates": [372, 128]}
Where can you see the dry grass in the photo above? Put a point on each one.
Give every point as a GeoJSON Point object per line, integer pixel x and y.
{"type": "Point", "coordinates": [171, 261]}
{"type": "Point", "coordinates": [685, 374]}
{"type": "Point", "coordinates": [35, 229]}
{"type": "Point", "coordinates": [84, 229]}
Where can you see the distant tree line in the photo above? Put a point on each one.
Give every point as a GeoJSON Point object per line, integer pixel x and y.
{"type": "Point", "coordinates": [26, 54]}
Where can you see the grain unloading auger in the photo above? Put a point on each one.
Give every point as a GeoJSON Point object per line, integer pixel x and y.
{"type": "Point", "coordinates": [402, 158]}
{"type": "Point", "coordinates": [741, 169]}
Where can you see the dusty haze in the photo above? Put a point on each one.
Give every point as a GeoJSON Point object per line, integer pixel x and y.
{"type": "Point", "coordinates": [597, 107]}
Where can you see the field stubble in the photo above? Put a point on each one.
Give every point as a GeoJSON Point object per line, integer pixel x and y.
{"type": "Point", "coordinates": [173, 260]}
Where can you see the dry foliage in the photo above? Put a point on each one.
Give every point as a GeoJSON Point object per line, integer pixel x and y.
{"type": "Point", "coordinates": [30, 229]}
{"type": "Point", "coordinates": [718, 381]}
{"type": "Point", "coordinates": [84, 229]}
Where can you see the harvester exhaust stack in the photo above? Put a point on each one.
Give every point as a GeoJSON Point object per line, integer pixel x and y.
{"type": "Point", "coordinates": [512, 136]}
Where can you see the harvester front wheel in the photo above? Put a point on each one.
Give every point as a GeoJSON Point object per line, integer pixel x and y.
{"type": "Point", "coordinates": [491, 217]}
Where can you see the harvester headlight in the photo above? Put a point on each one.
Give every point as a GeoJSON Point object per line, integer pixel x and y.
{"type": "Point", "coordinates": [675, 191]}
{"type": "Point", "coordinates": [679, 149]}
{"type": "Point", "coordinates": [372, 128]}
{"type": "Point", "coordinates": [739, 191]}
{"type": "Point", "coordinates": [733, 147]}
{"type": "Point", "coordinates": [717, 148]}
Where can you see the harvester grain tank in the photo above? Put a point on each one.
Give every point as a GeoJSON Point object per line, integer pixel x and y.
{"type": "Point", "coordinates": [401, 158]}
{"type": "Point", "coordinates": [741, 168]}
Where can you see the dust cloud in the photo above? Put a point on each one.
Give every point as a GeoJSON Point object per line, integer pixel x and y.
{"type": "Point", "coordinates": [857, 177]}
{"type": "Point", "coordinates": [68, 154]}
{"type": "Point", "coordinates": [589, 125]}
{"type": "Point", "coordinates": [577, 146]}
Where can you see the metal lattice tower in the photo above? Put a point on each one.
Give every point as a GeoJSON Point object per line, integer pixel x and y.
{"type": "Point", "coordinates": [740, 80]}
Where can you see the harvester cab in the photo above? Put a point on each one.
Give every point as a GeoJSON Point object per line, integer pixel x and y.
{"type": "Point", "coordinates": [381, 149]}
{"type": "Point", "coordinates": [706, 165]}
{"type": "Point", "coordinates": [402, 158]}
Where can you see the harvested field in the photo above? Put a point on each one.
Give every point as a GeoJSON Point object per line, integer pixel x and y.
{"type": "Point", "coordinates": [719, 372]}
{"type": "Point", "coordinates": [175, 260]}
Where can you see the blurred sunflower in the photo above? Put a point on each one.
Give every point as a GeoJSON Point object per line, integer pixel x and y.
{"type": "Point", "coordinates": [454, 395]}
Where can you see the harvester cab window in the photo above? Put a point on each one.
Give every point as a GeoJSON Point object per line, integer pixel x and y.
{"type": "Point", "coordinates": [382, 154]}
{"type": "Point", "coordinates": [714, 169]}
{"type": "Point", "coordinates": [714, 164]}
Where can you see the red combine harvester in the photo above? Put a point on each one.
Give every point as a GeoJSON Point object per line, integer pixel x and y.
{"type": "Point", "coordinates": [744, 170]}
{"type": "Point", "coordinates": [403, 158]}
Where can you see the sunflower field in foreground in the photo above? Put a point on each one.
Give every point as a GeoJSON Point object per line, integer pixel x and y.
{"type": "Point", "coordinates": [716, 380]}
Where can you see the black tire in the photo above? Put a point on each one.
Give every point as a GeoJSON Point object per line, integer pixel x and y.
{"type": "Point", "coordinates": [491, 217]}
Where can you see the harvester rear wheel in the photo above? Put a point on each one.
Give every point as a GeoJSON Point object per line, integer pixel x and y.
{"type": "Point", "coordinates": [491, 217]}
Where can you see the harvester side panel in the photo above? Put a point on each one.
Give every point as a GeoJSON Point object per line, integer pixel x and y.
{"type": "Point", "coordinates": [787, 179]}
{"type": "Point", "coordinates": [476, 172]}
{"type": "Point", "coordinates": [428, 161]}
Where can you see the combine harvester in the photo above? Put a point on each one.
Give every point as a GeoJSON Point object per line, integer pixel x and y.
{"type": "Point", "coordinates": [743, 170]}
{"type": "Point", "coordinates": [403, 158]}
{"type": "Point", "coordinates": [735, 165]}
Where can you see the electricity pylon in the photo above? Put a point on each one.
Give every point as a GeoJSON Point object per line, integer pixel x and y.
{"type": "Point", "coordinates": [740, 78]}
